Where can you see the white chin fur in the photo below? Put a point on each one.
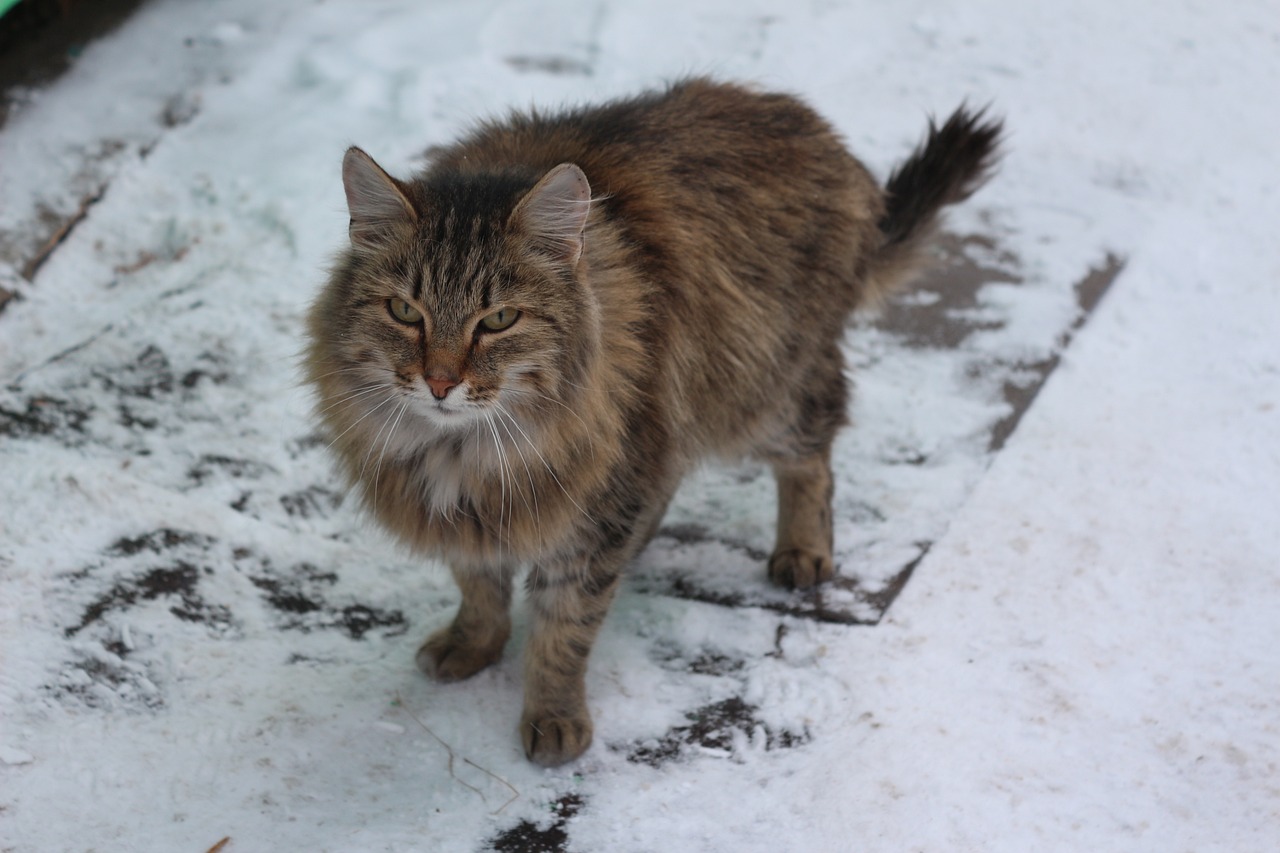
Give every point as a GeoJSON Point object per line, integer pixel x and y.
{"type": "Point", "coordinates": [449, 414]}
{"type": "Point", "coordinates": [446, 465]}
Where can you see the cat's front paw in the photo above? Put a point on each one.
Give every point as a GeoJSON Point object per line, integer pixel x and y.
{"type": "Point", "coordinates": [799, 568]}
{"type": "Point", "coordinates": [449, 655]}
{"type": "Point", "coordinates": [554, 740]}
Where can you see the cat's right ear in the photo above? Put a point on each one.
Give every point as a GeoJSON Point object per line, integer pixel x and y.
{"type": "Point", "coordinates": [377, 204]}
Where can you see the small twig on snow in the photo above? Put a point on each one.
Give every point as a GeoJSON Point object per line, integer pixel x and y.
{"type": "Point", "coordinates": [515, 795]}
{"type": "Point", "coordinates": [449, 749]}
{"type": "Point", "coordinates": [32, 266]}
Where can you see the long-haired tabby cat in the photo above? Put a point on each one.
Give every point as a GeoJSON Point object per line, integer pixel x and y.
{"type": "Point", "coordinates": [528, 345]}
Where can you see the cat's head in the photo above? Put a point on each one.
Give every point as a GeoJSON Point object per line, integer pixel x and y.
{"type": "Point", "coordinates": [461, 301]}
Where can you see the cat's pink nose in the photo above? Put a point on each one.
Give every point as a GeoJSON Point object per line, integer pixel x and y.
{"type": "Point", "coordinates": [440, 385]}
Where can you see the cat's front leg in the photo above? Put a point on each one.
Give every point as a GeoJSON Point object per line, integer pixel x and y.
{"type": "Point", "coordinates": [568, 604]}
{"type": "Point", "coordinates": [478, 632]}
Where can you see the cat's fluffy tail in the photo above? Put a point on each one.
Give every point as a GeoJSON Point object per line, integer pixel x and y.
{"type": "Point", "coordinates": [950, 165]}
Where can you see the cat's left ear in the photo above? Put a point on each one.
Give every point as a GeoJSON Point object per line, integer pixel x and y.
{"type": "Point", "coordinates": [377, 205]}
{"type": "Point", "coordinates": [553, 214]}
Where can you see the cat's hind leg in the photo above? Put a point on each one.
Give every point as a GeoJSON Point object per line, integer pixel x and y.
{"type": "Point", "coordinates": [802, 556]}
{"type": "Point", "coordinates": [476, 637]}
{"type": "Point", "coordinates": [801, 460]}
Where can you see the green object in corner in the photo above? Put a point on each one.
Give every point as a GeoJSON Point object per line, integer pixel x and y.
{"type": "Point", "coordinates": [6, 5]}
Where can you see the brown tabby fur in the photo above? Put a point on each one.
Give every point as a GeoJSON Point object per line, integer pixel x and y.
{"type": "Point", "coordinates": [693, 308]}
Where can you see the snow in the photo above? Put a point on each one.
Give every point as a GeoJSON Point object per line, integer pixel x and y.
{"type": "Point", "coordinates": [198, 640]}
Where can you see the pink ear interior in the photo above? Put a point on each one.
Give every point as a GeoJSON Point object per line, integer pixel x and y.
{"type": "Point", "coordinates": [554, 213]}
{"type": "Point", "coordinates": [374, 200]}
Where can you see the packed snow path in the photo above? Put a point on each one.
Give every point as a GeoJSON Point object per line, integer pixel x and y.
{"type": "Point", "coordinates": [1056, 617]}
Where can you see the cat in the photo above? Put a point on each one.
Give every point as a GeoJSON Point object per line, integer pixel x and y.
{"type": "Point", "coordinates": [525, 347]}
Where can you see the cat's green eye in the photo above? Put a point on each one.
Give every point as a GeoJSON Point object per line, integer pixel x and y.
{"type": "Point", "coordinates": [500, 319]}
{"type": "Point", "coordinates": [403, 311]}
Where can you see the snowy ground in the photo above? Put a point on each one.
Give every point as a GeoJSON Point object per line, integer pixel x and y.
{"type": "Point", "coordinates": [1056, 637]}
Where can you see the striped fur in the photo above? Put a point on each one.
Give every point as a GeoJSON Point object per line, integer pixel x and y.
{"type": "Point", "coordinates": [684, 264]}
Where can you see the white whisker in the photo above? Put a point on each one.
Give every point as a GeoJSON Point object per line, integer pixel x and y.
{"type": "Point", "coordinates": [533, 491]}
{"type": "Point", "coordinates": [361, 392]}
{"type": "Point", "coordinates": [359, 368]}
{"type": "Point", "coordinates": [391, 396]}
{"type": "Point", "coordinates": [364, 463]}
{"type": "Point", "coordinates": [502, 482]}
{"type": "Point", "coordinates": [377, 468]}
{"type": "Point", "coordinates": [586, 430]}
{"type": "Point", "coordinates": [550, 470]}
